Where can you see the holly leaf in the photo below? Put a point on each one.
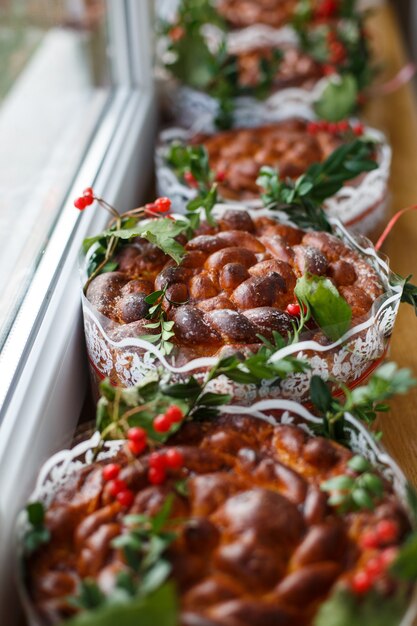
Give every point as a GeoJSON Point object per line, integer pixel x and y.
{"type": "Point", "coordinates": [329, 309]}
{"type": "Point", "coordinates": [159, 608]}
{"type": "Point", "coordinates": [338, 100]}
{"type": "Point", "coordinates": [161, 232]}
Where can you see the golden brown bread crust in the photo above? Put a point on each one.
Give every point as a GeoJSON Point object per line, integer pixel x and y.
{"type": "Point", "coordinates": [294, 69]}
{"type": "Point", "coordinates": [286, 146]}
{"type": "Point", "coordinates": [242, 13]}
{"type": "Point", "coordinates": [257, 542]}
{"type": "Point", "coordinates": [235, 283]}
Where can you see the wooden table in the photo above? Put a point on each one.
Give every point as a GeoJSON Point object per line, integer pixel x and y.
{"type": "Point", "coordinates": [396, 115]}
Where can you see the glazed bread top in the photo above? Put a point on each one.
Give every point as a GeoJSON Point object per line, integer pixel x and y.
{"type": "Point", "coordinates": [286, 146]}
{"type": "Point", "coordinates": [242, 13]}
{"type": "Point", "coordinates": [256, 543]}
{"type": "Point", "coordinates": [295, 68]}
{"type": "Point", "coordinates": [234, 283]}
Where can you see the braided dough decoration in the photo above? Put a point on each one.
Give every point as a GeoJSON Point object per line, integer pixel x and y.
{"type": "Point", "coordinates": [257, 542]}
{"type": "Point", "coordinates": [234, 284]}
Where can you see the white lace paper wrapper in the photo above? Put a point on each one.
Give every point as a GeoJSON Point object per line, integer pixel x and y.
{"type": "Point", "coordinates": [350, 359]}
{"type": "Point", "coordinates": [362, 206]}
{"type": "Point", "coordinates": [62, 466]}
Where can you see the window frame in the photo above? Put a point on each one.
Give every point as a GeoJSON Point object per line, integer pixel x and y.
{"type": "Point", "coordinates": [43, 366]}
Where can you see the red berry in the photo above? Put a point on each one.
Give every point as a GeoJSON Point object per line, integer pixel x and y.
{"type": "Point", "coordinates": [174, 414]}
{"type": "Point", "coordinates": [387, 531]}
{"type": "Point", "coordinates": [111, 471]}
{"type": "Point", "coordinates": [176, 33]}
{"type": "Point", "coordinates": [369, 540]}
{"type": "Point", "coordinates": [88, 191]}
{"type": "Point", "coordinates": [388, 556]}
{"type": "Point", "coordinates": [136, 433]}
{"type": "Point", "coordinates": [162, 424]}
{"type": "Point", "coordinates": [361, 582]}
{"type": "Point", "coordinates": [116, 486]}
{"type": "Point", "coordinates": [126, 497]}
{"type": "Point", "coordinates": [327, 8]}
{"type": "Point", "coordinates": [162, 205]}
{"type": "Point", "coordinates": [343, 126]}
{"type": "Point", "coordinates": [174, 458]}
{"type": "Point", "coordinates": [359, 129]}
{"type": "Point", "coordinates": [294, 309]}
{"type": "Point", "coordinates": [190, 179]}
{"type": "Point", "coordinates": [136, 447]}
{"type": "Point", "coordinates": [80, 203]}
{"type": "Point", "coordinates": [312, 128]}
{"type": "Point", "coordinates": [333, 128]}
{"type": "Point", "coordinates": [157, 460]}
{"type": "Point", "coordinates": [374, 567]}
{"type": "Point", "coordinates": [220, 176]}
{"type": "Point", "coordinates": [328, 70]}
{"type": "Point", "coordinates": [156, 475]}
{"type": "Point", "coordinates": [324, 125]}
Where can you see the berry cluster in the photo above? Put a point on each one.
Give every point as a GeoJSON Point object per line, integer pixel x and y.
{"type": "Point", "coordinates": [85, 200]}
{"type": "Point", "coordinates": [163, 422]}
{"type": "Point", "coordinates": [161, 205]}
{"type": "Point", "coordinates": [337, 49]}
{"type": "Point", "coordinates": [379, 538]}
{"type": "Point", "coordinates": [117, 488]}
{"type": "Point", "coordinates": [161, 462]}
{"type": "Point", "coordinates": [336, 128]}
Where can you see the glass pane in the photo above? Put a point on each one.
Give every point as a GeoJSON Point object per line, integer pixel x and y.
{"type": "Point", "coordinates": [54, 83]}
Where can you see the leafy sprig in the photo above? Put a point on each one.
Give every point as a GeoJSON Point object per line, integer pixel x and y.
{"type": "Point", "coordinates": [119, 409]}
{"type": "Point", "coordinates": [329, 309]}
{"type": "Point", "coordinates": [125, 609]}
{"type": "Point", "coordinates": [143, 546]}
{"type": "Point", "coordinates": [364, 402]}
{"type": "Point", "coordinates": [194, 63]}
{"type": "Point", "coordinates": [301, 200]}
{"type": "Point", "coordinates": [354, 493]}
{"type": "Point", "coordinates": [194, 161]}
{"type": "Point", "coordinates": [409, 294]}
{"type": "Point", "coordinates": [37, 534]}
{"type": "Point", "coordinates": [157, 313]}
{"type": "Point", "coordinates": [340, 45]}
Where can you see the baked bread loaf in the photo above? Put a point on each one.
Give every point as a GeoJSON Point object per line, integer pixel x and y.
{"type": "Point", "coordinates": [287, 146]}
{"type": "Point", "coordinates": [235, 282]}
{"type": "Point", "coordinates": [242, 13]}
{"type": "Point", "coordinates": [257, 541]}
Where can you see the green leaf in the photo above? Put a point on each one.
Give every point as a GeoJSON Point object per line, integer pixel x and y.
{"type": "Point", "coordinates": [159, 608]}
{"type": "Point", "coordinates": [362, 499]}
{"type": "Point", "coordinates": [320, 394]}
{"type": "Point", "coordinates": [155, 576]}
{"type": "Point", "coordinates": [338, 483]}
{"type": "Point", "coordinates": [358, 464]}
{"type": "Point", "coordinates": [338, 100]}
{"type": "Point", "coordinates": [345, 609]}
{"type": "Point", "coordinates": [329, 309]}
{"type": "Point", "coordinates": [214, 399]}
{"type": "Point", "coordinates": [36, 513]}
{"type": "Point", "coordinates": [160, 232]}
{"type": "Point", "coordinates": [89, 595]}
{"type": "Point", "coordinates": [405, 565]}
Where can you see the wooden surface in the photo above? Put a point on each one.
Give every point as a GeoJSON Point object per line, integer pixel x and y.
{"type": "Point", "coordinates": [396, 115]}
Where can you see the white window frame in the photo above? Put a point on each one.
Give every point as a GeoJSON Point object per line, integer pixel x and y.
{"type": "Point", "coordinates": [43, 369]}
